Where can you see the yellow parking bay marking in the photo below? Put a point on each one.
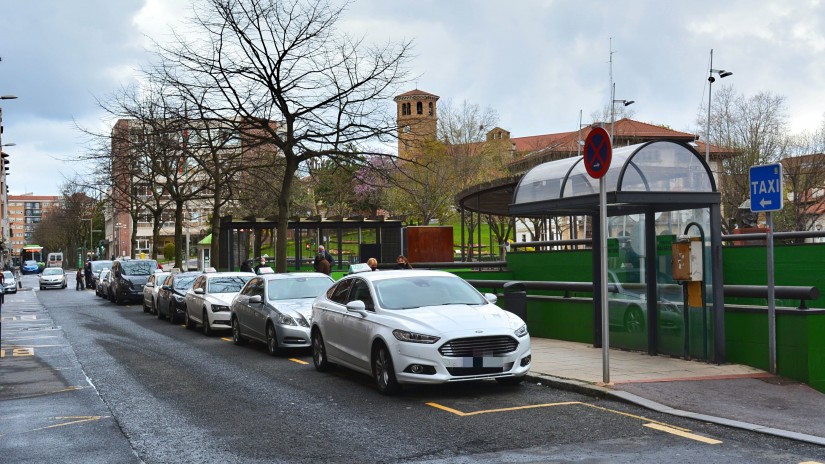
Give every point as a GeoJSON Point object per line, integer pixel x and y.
{"type": "Point", "coordinates": [77, 420]}
{"type": "Point", "coordinates": [692, 436]}
{"type": "Point", "coordinates": [226, 339]}
{"type": "Point", "coordinates": [18, 352]}
{"type": "Point", "coordinates": [661, 426]}
{"type": "Point", "coordinates": [298, 361]}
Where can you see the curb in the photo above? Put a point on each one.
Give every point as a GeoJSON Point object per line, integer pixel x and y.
{"type": "Point", "coordinates": [585, 388]}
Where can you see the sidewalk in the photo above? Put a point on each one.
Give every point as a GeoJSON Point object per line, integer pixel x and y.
{"type": "Point", "coordinates": [731, 394]}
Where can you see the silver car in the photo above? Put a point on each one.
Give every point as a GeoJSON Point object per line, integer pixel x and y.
{"type": "Point", "coordinates": [9, 282]}
{"type": "Point", "coordinates": [276, 309]}
{"type": "Point", "coordinates": [150, 291]}
{"type": "Point", "coordinates": [52, 277]}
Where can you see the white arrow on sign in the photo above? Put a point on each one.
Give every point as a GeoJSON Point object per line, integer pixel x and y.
{"type": "Point", "coordinates": [764, 202]}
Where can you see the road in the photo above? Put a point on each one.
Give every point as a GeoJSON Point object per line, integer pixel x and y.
{"type": "Point", "coordinates": [168, 394]}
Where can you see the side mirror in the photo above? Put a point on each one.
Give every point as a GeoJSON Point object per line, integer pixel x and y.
{"type": "Point", "coordinates": [149, 284]}
{"type": "Point", "coordinates": [199, 291]}
{"type": "Point", "coordinates": [255, 299]}
{"type": "Point", "coordinates": [356, 306]}
{"type": "Point", "coordinates": [491, 297]}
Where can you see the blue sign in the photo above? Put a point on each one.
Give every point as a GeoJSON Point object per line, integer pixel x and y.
{"type": "Point", "coordinates": [766, 188]}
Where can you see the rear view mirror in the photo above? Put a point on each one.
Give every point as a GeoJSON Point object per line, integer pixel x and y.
{"type": "Point", "coordinates": [255, 299]}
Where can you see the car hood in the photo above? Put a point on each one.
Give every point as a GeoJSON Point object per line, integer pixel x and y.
{"type": "Point", "coordinates": [457, 318]}
{"type": "Point", "coordinates": [302, 306]}
{"type": "Point", "coordinates": [222, 298]}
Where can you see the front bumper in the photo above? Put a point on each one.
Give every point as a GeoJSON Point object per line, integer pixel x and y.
{"type": "Point", "coordinates": [52, 283]}
{"type": "Point", "coordinates": [10, 288]}
{"type": "Point", "coordinates": [292, 336]}
{"type": "Point", "coordinates": [443, 369]}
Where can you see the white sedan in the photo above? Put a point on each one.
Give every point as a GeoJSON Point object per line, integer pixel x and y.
{"type": "Point", "coordinates": [209, 299]}
{"type": "Point", "coordinates": [417, 327]}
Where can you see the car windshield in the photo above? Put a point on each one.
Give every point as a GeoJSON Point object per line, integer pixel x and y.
{"type": "Point", "coordinates": [418, 291]}
{"type": "Point", "coordinates": [226, 284]}
{"type": "Point", "coordinates": [298, 287]}
{"type": "Point", "coordinates": [52, 271]}
{"type": "Point", "coordinates": [139, 267]}
{"type": "Point", "coordinates": [184, 282]}
{"type": "Point", "coordinates": [98, 265]}
{"type": "Point", "coordinates": [8, 275]}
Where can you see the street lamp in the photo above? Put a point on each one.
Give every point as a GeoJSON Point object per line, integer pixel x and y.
{"type": "Point", "coordinates": [613, 109]}
{"type": "Point", "coordinates": [722, 73]}
{"type": "Point", "coordinates": [90, 232]}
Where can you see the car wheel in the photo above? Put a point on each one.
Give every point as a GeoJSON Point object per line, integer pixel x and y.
{"type": "Point", "coordinates": [634, 320]}
{"type": "Point", "coordinates": [319, 353]}
{"type": "Point", "coordinates": [384, 372]}
{"type": "Point", "coordinates": [237, 338]}
{"type": "Point", "coordinates": [272, 340]}
{"type": "Point", "coordinates": [510, 380]}
{"type": "Point", "coordinates": [145, 308]}
{"type": "Point", "coordinates": [190, 324]}
{"type": "Point", "coordinates": [207, 329]}
{"type": "Point", "coordinates": [173, 313]}
{"type": "Point", "coordinates": [41, 287]}
{"type": "Point", "coordinates": [154, 308]}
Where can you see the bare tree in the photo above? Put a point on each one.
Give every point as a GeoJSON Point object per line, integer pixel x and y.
{"type": "Point", "coordinates": [804, 174]}
{"type": "Point", "coordinates": [284, 76]}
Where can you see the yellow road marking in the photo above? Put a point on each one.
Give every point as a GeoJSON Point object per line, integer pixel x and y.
{"type": "Point", "coordinates": [67, 389]}
{"type": "Point", "coordinates": [78, 420]}
{"type": "Point", "coordinates": [298, 361]}
{"type": "Point", "coordinates": [810, 462]}
{"type": "Point", "coordinates": [226, 339]}
{"type": "Point", "coordinates": [681, 433]}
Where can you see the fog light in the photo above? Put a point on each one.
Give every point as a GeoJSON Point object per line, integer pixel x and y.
{"type": "Point", "coordinates": [420, 369]}
{"type": "Point", "coordinates": [417, 368]}
{"type": "Point", "coordinates": [525, 360]}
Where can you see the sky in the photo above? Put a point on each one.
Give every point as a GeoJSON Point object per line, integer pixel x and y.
{"type": "Point", "coordinates": [538, 64]}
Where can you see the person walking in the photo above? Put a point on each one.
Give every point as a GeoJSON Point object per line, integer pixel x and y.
{"type": "Point", "coordinates": [323, 255]}
{"type": "Point", "coordinates": [79, 279]}
{"type": "Point", "coordinates": [402, 262]}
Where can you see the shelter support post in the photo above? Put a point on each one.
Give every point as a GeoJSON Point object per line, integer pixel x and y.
{"type": "Point", "coordinates": [651, 284]}
{"type": "Point", "coordinates": [718, 284]}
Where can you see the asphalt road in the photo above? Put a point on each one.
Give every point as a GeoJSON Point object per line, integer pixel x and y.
{"type": "Point", "coordinates": [176, 395]}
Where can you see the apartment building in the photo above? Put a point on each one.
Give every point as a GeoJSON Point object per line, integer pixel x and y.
{"type": "Point", "coordinates": [25, 212]}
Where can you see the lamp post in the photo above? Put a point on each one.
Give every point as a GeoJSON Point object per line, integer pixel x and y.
{"type": "Point", "coordinates": [613, 109]}
{"type": "Point", "coordinates": [90, 232]}
{"type": "Point", "coordinates": [722, 74]}
{"type": "Point", "coordinates": [5, 233]}
{"type": "Point", "coordinates": [118, 226]}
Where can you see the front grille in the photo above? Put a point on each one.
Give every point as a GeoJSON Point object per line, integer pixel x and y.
{"type": "Point", "coordinates": [479, 346]}
{"type": "Point", "coordinates": [458, 371]}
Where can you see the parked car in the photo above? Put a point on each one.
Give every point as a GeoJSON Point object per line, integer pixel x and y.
{"type": "Point", "coordinates": [52, 277]}
{"type": "Point", "coordinates": [417, 327]}
{"type": "Point", "coordinates": [103, 282]}
{"type": "Point", "coordinates": [9, 282]}
{"type": "Point", "coordinates": [30, 267]}
{"type": "Point", "coordinates": [128, 278]}
{"type": "Point", "coordinates": [627, 305]}
{"type": "Point", "coordinates": [170, 303]}
{"type": "Point", "coordinates": [150, 291]}
{"type": "Point", "coordinates": [98, 266]}
{"type": "Point", "coordinates": [276, 309]}
{"type": "Point", "coordinates": [209, 299]}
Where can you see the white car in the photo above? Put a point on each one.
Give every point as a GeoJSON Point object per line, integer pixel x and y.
{"type": "Point", "coordinates": [276, 309]}
{"type": "Point", "coordinates": [417, 327]}
{"type": "Point", "coordinates": [150, 291]}
{"type": "Point", "coordinates": [209, 299]}
{"type": "Point", "coordinates": [52, 277]}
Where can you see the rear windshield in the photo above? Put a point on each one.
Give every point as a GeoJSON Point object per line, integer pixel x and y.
{"type": "Point", "coordinates": [143, 267]}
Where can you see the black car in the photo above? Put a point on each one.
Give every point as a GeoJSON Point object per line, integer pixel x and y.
{"type": "Point", "coordinates": [171, 297]}
{"type": "Point", "coordinates": [128, 278]}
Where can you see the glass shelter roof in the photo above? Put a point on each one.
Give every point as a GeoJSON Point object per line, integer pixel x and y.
{"type": "Point", "coordinates": [654, 176]}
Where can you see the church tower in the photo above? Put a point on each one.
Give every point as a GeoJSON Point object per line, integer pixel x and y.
{"type": "Point", "coordinates": [417, 117]}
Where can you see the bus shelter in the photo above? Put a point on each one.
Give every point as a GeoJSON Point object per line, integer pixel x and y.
{"type": "Point", "coordinates": [656, 191]}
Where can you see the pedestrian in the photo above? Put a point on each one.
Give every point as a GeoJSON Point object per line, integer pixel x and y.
{"type": "Point", "coordinates": [402, 262]}
{"type": "Point", "coordinates": [246, 266]}
{"type": "Point", "coordinates": [79, 279]}
{"type": "Point", "coordinates": [87, 272]}
{"type": "Point", "coordinates": [373, 264]}
{"type": "Point", "coordinates": [323, 255]}
{"type": "Point", "coordinates": [260, 265]}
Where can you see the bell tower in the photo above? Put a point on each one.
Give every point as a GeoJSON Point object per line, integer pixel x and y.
{"type": "Point", "coordinates": [417, 117]}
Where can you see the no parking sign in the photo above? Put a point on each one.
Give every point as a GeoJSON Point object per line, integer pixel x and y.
{"type": "Point", "coordinates": [598, 152]}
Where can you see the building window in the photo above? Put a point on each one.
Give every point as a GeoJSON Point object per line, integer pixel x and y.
{"type": "Point", "coordinates": [431, 108]}
{"type": "Point", "coordinates": [419, 108]}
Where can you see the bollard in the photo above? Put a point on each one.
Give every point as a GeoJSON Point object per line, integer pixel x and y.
{"type": "Point", "coordinates": [515, 299]}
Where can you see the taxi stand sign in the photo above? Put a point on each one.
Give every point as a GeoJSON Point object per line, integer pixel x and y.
{"type": "Point", "coordinates": [766, 188]}
{"type": "Point", "coordinates": [766, 196]}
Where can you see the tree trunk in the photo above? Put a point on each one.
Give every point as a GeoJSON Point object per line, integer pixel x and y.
{"type": "Point", "coordinates": [178, 232]}
{"type": "Point", "coordinates": [282, 228]}
{"type": "Point", "coordinates": [214, 247]}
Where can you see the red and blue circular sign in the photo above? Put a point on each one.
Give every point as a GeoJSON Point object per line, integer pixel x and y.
{"type": "Point", "coordinates": [598, 152]}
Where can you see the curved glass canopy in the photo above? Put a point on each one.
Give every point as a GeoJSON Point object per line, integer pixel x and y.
{"type": "Point", "coordinates": [660, 175]}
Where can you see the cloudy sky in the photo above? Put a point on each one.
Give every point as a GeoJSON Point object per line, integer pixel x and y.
{"type": "Point", "coordinates": [537, 63]}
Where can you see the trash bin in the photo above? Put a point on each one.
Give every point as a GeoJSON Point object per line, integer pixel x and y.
{"type": "Point", "coordinates": [515, 299]}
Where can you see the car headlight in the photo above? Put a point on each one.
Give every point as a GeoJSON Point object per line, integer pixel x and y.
{"type": "Point", "coordinates": [412, 337]}
{"type": "Point", "coordinates": [521, 331]}
{"type": "Point", "coordinates": [286, 319]}
{"type": "Point", "coordinates": [219, 308]}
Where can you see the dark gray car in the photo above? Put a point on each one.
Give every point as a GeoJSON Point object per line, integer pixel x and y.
{"type": "Point", "coordinates": [171, 301]}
